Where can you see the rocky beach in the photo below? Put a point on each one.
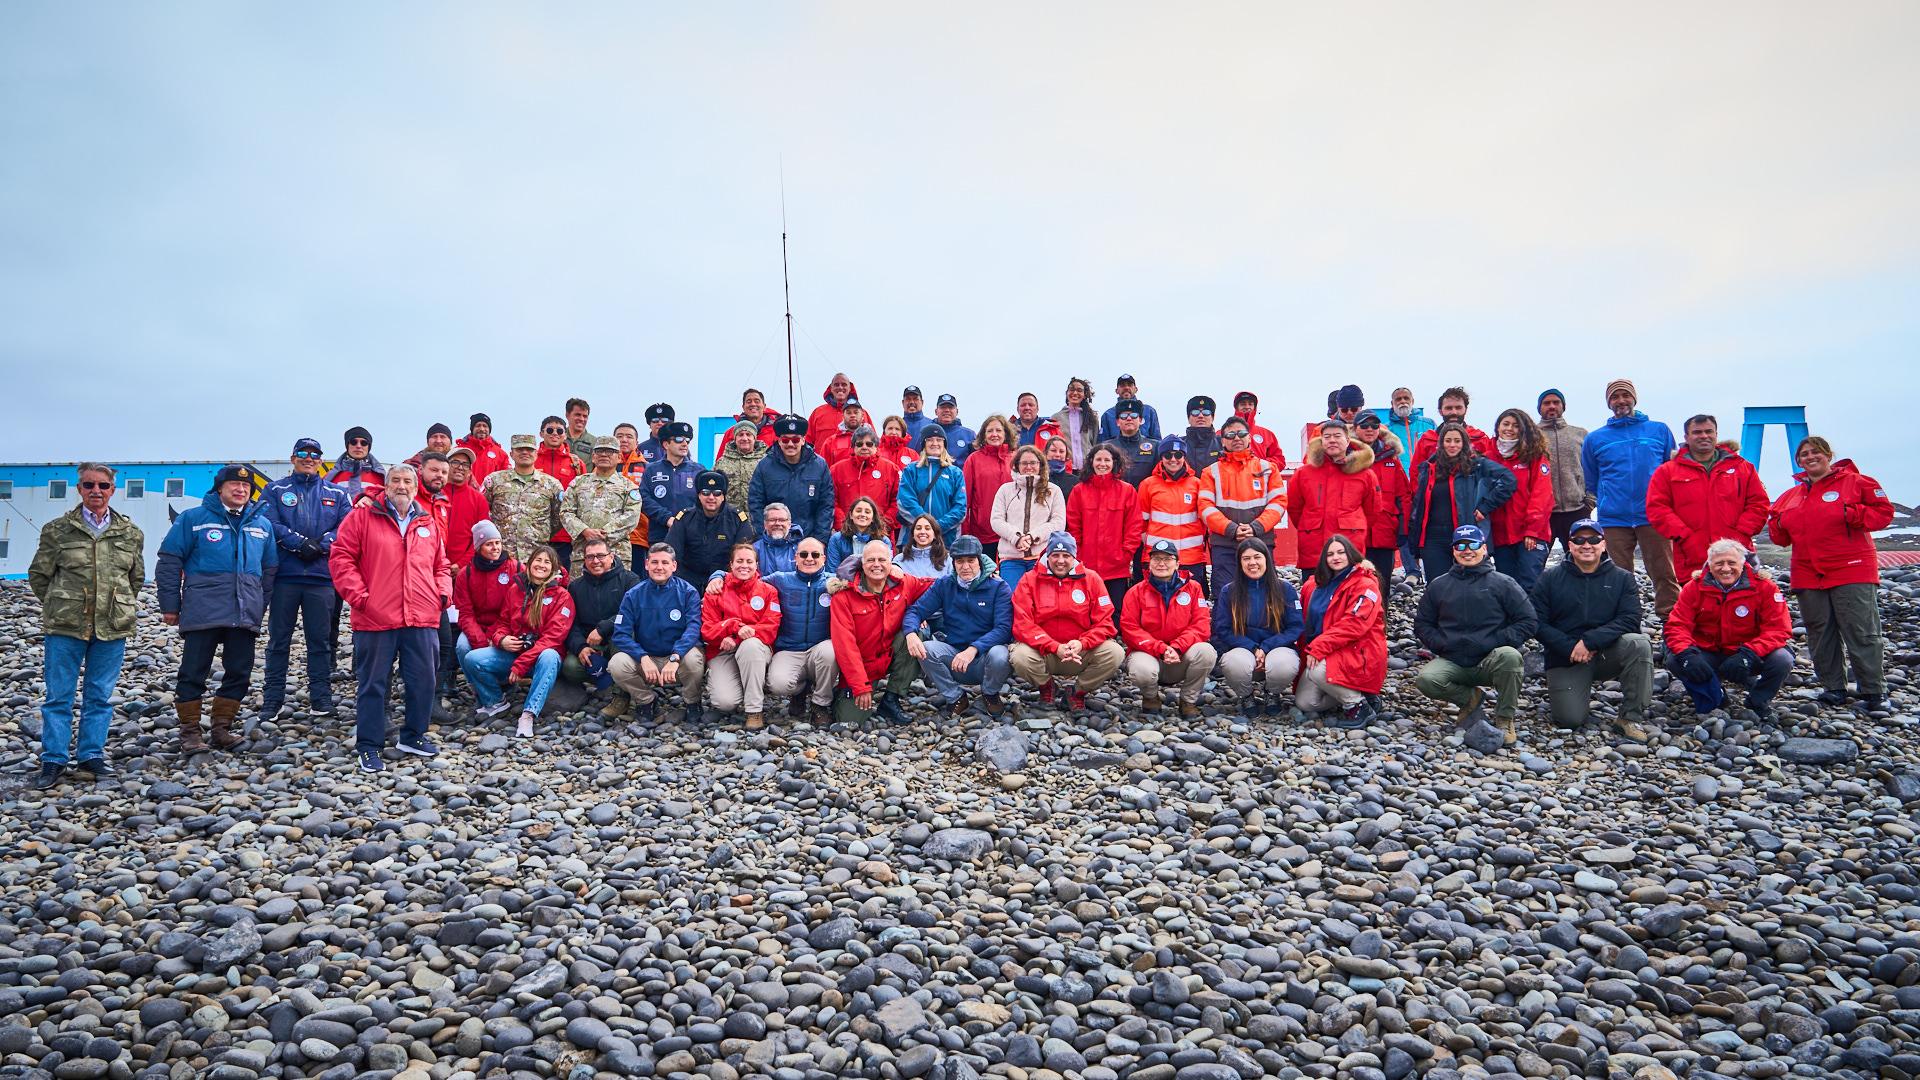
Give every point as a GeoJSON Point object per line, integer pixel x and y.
{"type": "Point", "coordinates": [1121, 895]}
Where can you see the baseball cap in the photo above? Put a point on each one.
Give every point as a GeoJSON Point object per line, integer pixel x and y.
{"type": "Point", "coordinates": [1162, 546]}
{"type": "Point", "coordinates": [1470, 533]}
{"type": "Point", "coordinates": [606, 442]}
{"type": "Point", "coordinates": [307, 443]}
{"type": "Point", "coordinates": [947, 399]}
{"type": "Point", "coordinates": [966, 547]}
{"type": "Point", "coordinates": [911, 391]}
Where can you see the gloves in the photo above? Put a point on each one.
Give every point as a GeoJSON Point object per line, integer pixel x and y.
{"type": "Point", "coordinates": [311, 551]}
{"type": "Point", "coordinates": [1695, 667]}
{"type": "Point", "coordinates": [1740, 666]}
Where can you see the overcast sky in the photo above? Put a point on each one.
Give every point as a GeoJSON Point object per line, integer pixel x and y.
{"type": "Point", "coordinates": [225, 225]}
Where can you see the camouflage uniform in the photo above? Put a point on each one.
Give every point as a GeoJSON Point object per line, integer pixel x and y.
{"type": "Point", "coordinates": [522, 506]}
{"type": "Point", "coordinates": [610, 504]}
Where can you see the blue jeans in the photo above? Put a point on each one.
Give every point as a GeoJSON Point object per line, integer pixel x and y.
{"type": "Point", "coordinates": [374, 651]}
{"type": "Point", "coordinates": [1761, 686]}
{"type": "Point", "coordinates": [312, 603]}
{"type": "Point", "coordinates": [1012, 570]}
{"type": "Point", "coordinates": [1523, 566]}
{"type": "Point", "coordinates": [989, 671]}
{"type": "Point", "coordinates": [487, 670]}
{"type": "Point", "coordinates": [65, 658]}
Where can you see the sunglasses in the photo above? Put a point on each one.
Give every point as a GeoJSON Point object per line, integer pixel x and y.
{"type": "Point", "coordinates": [864, 445]}
{"type": "Point", "coordinates": [1233, 434]}
{"type": "Point", "coordinates": [359, 442]}
{"type": "Point", "coordinates": [1175, 453]}
{"type": "Point", "coordinates": [553, 431]}
{"type": "Point", "coordinates": [1586, 541]}
{"type": "Point", "coordinates": [679, 438]}
{"type": "Point", "coordinates": [96, 485]}
{"type": "Point", "coordinates": [1201, 412]}
{"type": "Point", "coordinates": [809, 554]}
{"type": "Point", "coordinates": [307, 455]}
{"type": "Point", "coordinates": [1467, 545]}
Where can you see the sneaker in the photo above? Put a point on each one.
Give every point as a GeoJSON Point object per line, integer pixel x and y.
{"type": "Point", "coordinates": [270, 713]}
{"type": "Point", "coordinates": [49, 776]}
{"type": "Point", "coordinates": [1357, 716]}
{"type": "Point", "coordinates": [421, 747]}
{"type": "Point", "coordinates": [99, 767]}
{"type": "Point", "coordinates": [524, 728]}
{"type": "Point", "coordinates": [370, 762]}
{"type": "Point", "coordinates": [887, 707]}
{"type": "Point", "coordinates": [1832, 698]}
{"type": "Point", "coordinates": [494, 709]}
{"type": "Point", "coordinates": [1630, 730]}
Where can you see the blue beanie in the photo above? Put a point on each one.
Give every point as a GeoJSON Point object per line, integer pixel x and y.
{"type": "Point", "coordinates": [1543, 397]}
{"type": "Point", "coordinates": [1350, 397]}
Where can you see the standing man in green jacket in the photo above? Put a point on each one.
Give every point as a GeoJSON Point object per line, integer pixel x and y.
{"type": "Point", "coordinates": [87, 575]}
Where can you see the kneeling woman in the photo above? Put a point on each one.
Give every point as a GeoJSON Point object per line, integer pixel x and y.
{"type": "Point", "coordinates": [1344, 637]}
{"type": "Point", "coordinates": [1730, 625]}
{"type": "Point", "coordinates": [1256, 621]}
{"type": "Point", "coordinates": [526, 644]}
{"type": "Point", "coordinates": [739, 622]}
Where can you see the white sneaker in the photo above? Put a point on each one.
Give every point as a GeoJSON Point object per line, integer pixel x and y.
{"type": "Point", "coordinates": [525, 729]}
{"type": "Point", "coordinates": [494, 709]}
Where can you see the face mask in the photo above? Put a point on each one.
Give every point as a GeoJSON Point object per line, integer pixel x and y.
{"type": "Point", "coordinates": [1403, 411]}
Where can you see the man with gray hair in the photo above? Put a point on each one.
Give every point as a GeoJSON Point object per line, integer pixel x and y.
{"type": "Point", "coordinates": [777, 539]}
{"type": "Point", "coordinates": [87, 574]}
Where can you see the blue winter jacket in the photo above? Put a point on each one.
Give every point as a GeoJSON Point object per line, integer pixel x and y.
{"type": "Point", "coordinates": [976, 614]}
{"type": "Point", "coordinates": [1408, 431]}
{"type": "Point", "coordinates": [1259, 634]}
{"type": "Point", "coordinates": [804, 614]}
{"type": "Point", "coordinates": [959, 440]}
{"type": "Point", "coordinates": [930, 488]}
{"type": "Point", "coordinates": [804, 487]}
{"type": "Point", "coordinates": [840, 547]}
{"type": "Point", "coordinates": [776, 555]}
{"type": "Point", "coordinates": [665, 490]}
{"type": "Point", "coordinates": [215, 568]}
{"type": "Point", "coordinates": [1149, 423]}
{"type": "Point", "coordinates": [1618, 461]}
{"type": "Point", "coordinates": [916, 423]}
{"type": "Point", "coordinates": [657, 620]}
{"type": "Point", "coordinates": [303, 508]}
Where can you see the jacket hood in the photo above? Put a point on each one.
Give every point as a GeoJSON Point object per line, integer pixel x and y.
{"type": "Point", "coordinates": [1637, 417]}
{"type": "Point", "coordinates": [1390, 444]}
{"type": "Point", "coordinates": [853, 391]}
{"type": "Point", "coordinates": [1359, 456]}
{"type": "Point", "coordinates": [1844, 465]}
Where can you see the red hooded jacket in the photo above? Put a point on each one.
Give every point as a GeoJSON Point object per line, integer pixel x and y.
{"type": "Point", "coordinates": [466, 507]}
{"type": "Point", "coordinates": [753, 602]}
{"type": "Point", "coordinates": [1829, 523]}
{"type": "Point", "coordinates": [1324, 499]}
{"type": "Point", "coordinates": [1693, 504]}
{"type": "Point", "coordinates": [1103, 514]}
{"type": "Point", "coordinates": [863, 625]}
{"type": "Point", "coordinates": [1264, 443]}
{"type": "Point", "coordinates": [557, 604]}
{"type": "Point", "coordinates": [390, 578]}
{"type": "Point", "coordinates": [488, 456]}
{"type": "Point", "coordinates": [1430, 442]}
{"type": "Point", "coordinates": [877, 478]}
{"type": "Point", "coordinates": [985, 470]}
{"type": "Point", "coordinates": [482, 598]}
{"type": "Point", "coordinates": [1353, 636]}
{"type": "Point", "coordinates": [1752, 613]}
{"type": "Point", "coordinates": [1150, 623]}
{"type": "Point", "coordinates": [898, 449]}
{"type": "Point", "coordinates": [1529, 511]}
{"type": "Point", "coordinates": [1049, 611]}
{"type": "Point", "coordinates": [826, 416]}
{"type": "Point", "coordinates": [1396, 494]}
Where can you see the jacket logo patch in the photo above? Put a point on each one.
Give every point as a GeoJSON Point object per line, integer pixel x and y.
{"type": "Point", "coordinates": [1831, 496]}
{"type": "Point", "coordinates": [674, 614]}
{"type": "Point", "coordinates": [809, 491]}
{"type": "Point", "coordinates": [1187, 498]}
{"type": "Point", "coordinates": [1743, 611]}
{"type": "Point", "coordinates": [1079, 597]}
{"type": "Point", "coordinates": [758, 603]}
{"type": "Point", "coordinates": [825, 600]}
{"type": "Point", "coordinates": [1879, 493]}
{"type": "Point", "coordinates": [634, 494]}
{"type": "Point", "coordinates": [503, 579]}
{"type": "Point", "coordinates": [1183, 599]}
{"type": "Point", "coordinates": [876, 474]}
{"type": "Point", "coordinates": [423, 532]}
{"type": "Point", "coordinates": [288, 498]}
{"type": "Point", "coordinates": [213, 534]}
{"type": "Point", "coordinates": [545, 600]}
{"type": "Point", "coordinates": [659, 491]}
{"type": "Point", "coordinates": [565, 612]}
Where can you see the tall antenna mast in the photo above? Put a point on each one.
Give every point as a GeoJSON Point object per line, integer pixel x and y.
{"type": "Point", "coordinates": [786, 283]}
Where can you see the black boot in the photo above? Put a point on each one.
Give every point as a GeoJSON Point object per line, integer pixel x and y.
{"type": "Point", "coordinates": [49, 776]}
{"type": "Point", "coordinates": [887, 707]}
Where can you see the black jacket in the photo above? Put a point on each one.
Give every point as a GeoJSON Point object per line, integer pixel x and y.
{"type": "Point", "coordinates": [596, 600]}
{"type": "Point", "coordinates": [1469, 611]}
{"type": "Point", "coordinates": [1485, 487]}
{"type": "Point", "coordinates": [704, 544]}
{"type": "Point", "coordinates": [1596, 608]}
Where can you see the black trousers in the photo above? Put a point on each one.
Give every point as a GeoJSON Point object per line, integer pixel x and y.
{"type": "Point", "coordinates": [235, 645]}
{"type": "Point", "coordinates": [1560, 523]}
{"type": "Point", "coordinates": [312, 604]}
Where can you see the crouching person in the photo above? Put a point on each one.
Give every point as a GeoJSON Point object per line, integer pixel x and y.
{"type": "Point", "coordinates": [1343, 636]}
{"type": "Point", "coordinates": [1063, 625]}
{"type": "Point", "coordinates": [739, 622]}
{"type": "Point", "coordinates": [1256, 627]}
{"type": "Point", "coordinates": [539, 614]}
{"type": "Point", "coordinates": [656, 637]}
{"type": "Point", "coordinates": [803, 651]}
{"type": "Point", "coordinates": [1589, 613]}
{"type": "Point", "coordinates": [1164, 622]}
{"type": "Point", "coordinates": [869, 644]}
{"type": "Point", "coordinates": [1730, 626]}
{"type": "Point", "coordinates": [1474, 619]}
{"type": "Point", "coordinates": [974, 611]}
{"type": "Point", "coordinates": [596, 600]}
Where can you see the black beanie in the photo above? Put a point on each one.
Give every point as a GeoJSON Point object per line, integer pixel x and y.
{"type": "Point", "coordinates": [439, 429]}
{"type": "Point", "coordinates": [358, 432]}
{"type": "Point", "coordinates": [477, 419]}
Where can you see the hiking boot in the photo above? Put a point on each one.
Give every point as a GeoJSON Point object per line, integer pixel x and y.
{"type": "Point", "coordinates": [962, 704]}
{"type": "Point", "coordinates": [1509, 728]}
{"type": "Point", "coordinates": [1189, 710]}
{"type": "Point", "coordinates": [223, 712]}
{"type": "Point", "coordinates": [1046, 692]}
{"type": "Point", "coordinates": [1833, 699]}
{"type": "Point", "coordinates": [887, 707]}
{"type": "Point", "coordinates": [1275, 708]}
{"type": "Point", "coordinates": [994, 704]}
{"type": "Point", "coordinates": [439, 713]}
{"type": "Point", "coordinates": [1355, 716]}
{"type": "Point", "coordinates": [188, 713]}
{"type": "Point", "coordinates": [755, 721]}
{"type": "Point", "coordinates": [1478, 698]}
{"type": "Point", "coordinates": [797, 706]}
{"type": "Point", "coordinates": [1630, 729]}
{"type": "Point", "coordinates": [1076, 701]}
{"type": "Point", "coordinates": [820, 714]}
{"type": "Point", "coordinates": [49, 776]}
{"type": "Point", "coordinates": [1872, 703]}
{"type": "Point", "coordinates": [617, 706]}
{"type": "Point", "coordinates": [647, 711]}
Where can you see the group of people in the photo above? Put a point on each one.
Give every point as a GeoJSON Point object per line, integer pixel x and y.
{"type": "Point", "coordinates": [831, 562]}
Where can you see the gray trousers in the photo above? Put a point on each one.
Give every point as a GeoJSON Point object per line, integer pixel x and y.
{"type": "Point", "coordinates": [1630, 660]}
{"type": "Point", "coordinates": [1843, 625]}
{"type": "Point", "coordinates": [792, 670]}
{"type": "Point", "coordinates": [1319, 694]}
{"type": "Point", "coordinates": [738, 679]}
{"type": "Point", "coordinates": [1150, 672]}
{"type": "Point", "coordinates": [1445, 680]}
{"type": "Point", "coordinates": [1236, 670]}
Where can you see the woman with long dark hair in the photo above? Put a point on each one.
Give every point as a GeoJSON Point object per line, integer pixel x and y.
{"type": "Point", "coordinates": [1103, 514]}
{"type": "Point", "coordinates": [1078, 423]}
{"type": "Point", "coordinates": [1256, 623]}
{"type": "Point", "coordinates": [863, 523]}
{"type": "Point", "coordinates": [923, 551]}
{"type": "Point", "coordinates": [539, 612]}
{"type": "Point", "coordinates": [1523, 526]}
{"type": "Point", "coordinates": [1344, 636]}
{"type": "Point", "coordinates": [1453, 487]}
{"type": "Point", "coordinates": [985, 470]}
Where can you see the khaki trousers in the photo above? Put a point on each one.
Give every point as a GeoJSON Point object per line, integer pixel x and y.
{"type": "Point", "coordinates": [1090, 672]}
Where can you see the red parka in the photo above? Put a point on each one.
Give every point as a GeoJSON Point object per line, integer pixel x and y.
{"type": "Point", "coordinates": [877, 478]}
{"type": "Point", "coordinates": [898, 449]}
{"type": "Point", "coordinates": [1396, 493]}
{"type": "Point", "coordinates": [1829, 523]}
{"type": "Point", "coordinates": [985, 470]}
{"type": "Point", "coordinates": [390, 578]}
{"type": "Point", "coordinates": [482, 597]}
{"type": "Point", "coordinates": [556, 618]}
{"type": "Point", "coordinates": [1324, 499]}
{"type": "Point", "coordinates": [1049, 611]}
{"type": "Point", "coordinates": [826, 416]}
{"type": "Point", "coordinates": [1693, 504]}
{"type": "Point", "coordinates": [1752, 612]}
{"type": "Point", "coordinates": [1151, 623]}
{"type": "Point", "coordinates": [1263, 442]}
{"type": "Point", "coordinates": [863, 625]}
{"type": "Point", "coordinates": [753, 602]}
{"type": "Point", "coordinates": [1353, 636]}
{"type": "Point", "coordinates": [1103, 514]}
{"type": "Point", "coordinates": [488, 456]}
{"type": "Point", "coordinates": [1529, 512]}
{"type": "Point", "coordinates": [1430, 442]}
{"type": "Point", "coordinates": [466, 507]}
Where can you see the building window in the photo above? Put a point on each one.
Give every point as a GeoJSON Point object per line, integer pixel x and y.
{"type": "Point", "coordinates": [136, 489]}
{"type": "Point", "coordinates": [3, 547]}
{"type": "Point", "coordinates": [6, 490]}
{"type": "Point", "coordinates": [176, 489]}
{"type": "Point", "coordinates": [56, 490]}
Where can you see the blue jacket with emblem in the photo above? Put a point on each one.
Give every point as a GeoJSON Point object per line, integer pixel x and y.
{"type": "Point", "coordinates": [658, 620]}
{"type": "Point", "coordinates": [928, 487]}
{"type": "Point", "coordinates": [216, 568]}
{"type": "Point", "coordinates": [805, 488]}
{"type": "Point", "coordinates": [805, 616]}
{"type": "Point", "coordinates": [1149, 423]}
{"type": "Point", "coordinates": [303, 508]}
{"type": "Point", "coordinates": [976, 614]}
{"type": "Point", "coordinates": [776, 555]}
{"type": "Point", "coordinates": [666, 490]}
{"type": "Point", "coordinates": [1618, 461]}
{"type": "Point", "coordinates": [959, 440]}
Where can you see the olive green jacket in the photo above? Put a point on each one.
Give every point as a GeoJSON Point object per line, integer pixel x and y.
{"type": "Point", "coordinates": [89, 587]}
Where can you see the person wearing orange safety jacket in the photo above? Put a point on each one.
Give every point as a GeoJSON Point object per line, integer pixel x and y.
{"type": "Point", "coordinates": [1170, 507]}
{"type": "Point", "coordinates": [1241, 498]}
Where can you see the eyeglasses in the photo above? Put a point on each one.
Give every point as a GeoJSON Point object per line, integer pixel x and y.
{"type": "Point", "coordinates": [359, 442]}
{"type": "Point", "coordinates": [594, 556]}
{"type": "Point", "coordinates": [553, 431]}
{"type": "Point", "coordinates": [1586, 541]}
{"type": "Point", "coordinates": [1467, 545]}
{"type": "Point", "coordinates": [307, 455]}
{"type": "Point", "coordinates": [96, 485]}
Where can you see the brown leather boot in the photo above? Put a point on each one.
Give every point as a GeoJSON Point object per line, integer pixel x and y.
{"type": "Point", "coordinates": [189, 714]}
{"type": "Point", "coordinates": [223, 711]}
